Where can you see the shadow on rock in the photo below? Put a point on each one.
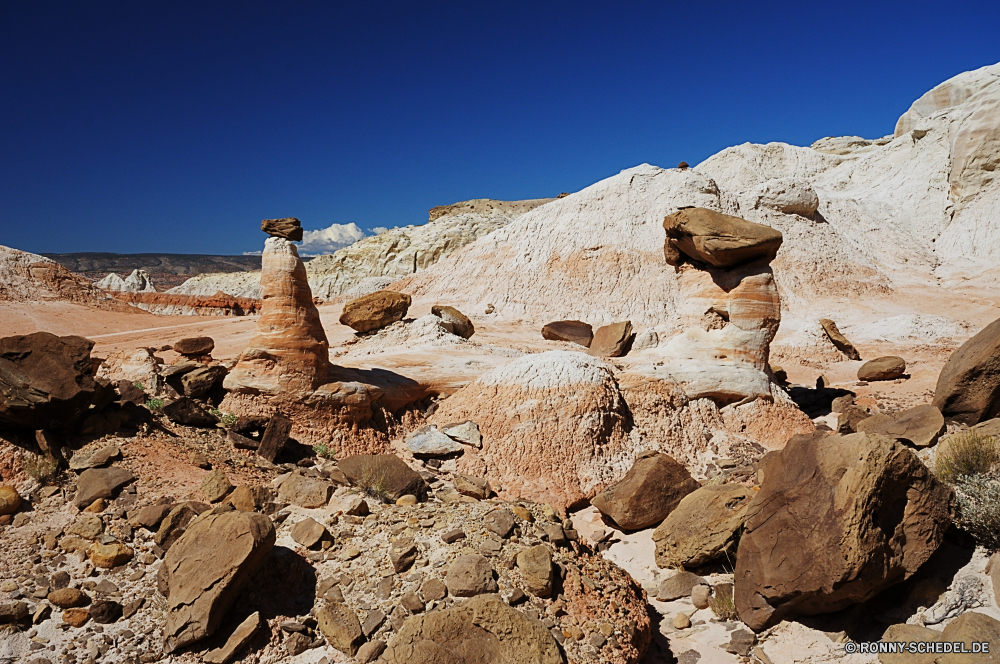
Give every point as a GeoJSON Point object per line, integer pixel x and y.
{"type": "Point", "coordinates": [816, 402]}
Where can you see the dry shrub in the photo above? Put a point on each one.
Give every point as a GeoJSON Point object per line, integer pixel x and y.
{"type": "Point", "coordinates": [967, 455]}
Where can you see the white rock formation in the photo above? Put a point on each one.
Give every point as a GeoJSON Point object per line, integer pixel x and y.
{"type": "Point", "coordinates": [237, 284]}
{"type": "Point", "coordinates": [27, 277]}
{"type": "Point", "coordinates": [137, 282]}
{"type": "Point", "coordinates": [111, 282]}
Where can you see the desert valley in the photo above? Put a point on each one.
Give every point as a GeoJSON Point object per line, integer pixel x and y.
{"type": "Point", "coordinates": [742, 411]}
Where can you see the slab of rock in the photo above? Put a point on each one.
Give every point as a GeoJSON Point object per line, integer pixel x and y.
{"type": "Point", "coordinates": [703, 526]}
{"type": "Point", "coordinates": [216, 485]}
{"type": "Point", "coordinates": [109, 556]}
{"type": "Point", "coordinates": [198, 383]}
{"type": "Point", "coordinates": [889, 367]}
{"type": "Point", "coordinates": [475, 487]}
{"type": "Point", "coordinates": [836, 521]}
{"type": "Point", "coordinates": [206, 569]}
{"type": "Point", "coordinates": [288, 228]}
{"type": "Point", "coordinates": [920, 426]}
{"type": "Point", "coordinates": [500, 521]}
{"type": "Point", "coordinates": [187, 412]}
{"type": "Point", "coordinates": [101, 457]}
{"type": "Point", "coordinates": [427, 441]}
{"type": "Point", "coordinates": [87, 526]}
{"type": "Point", "coordinates": [250, 498]}
{"type": "Point", "coordinates": [150, 516]}
{"type": "Point", "coordinates": [67, 598]}
{"type": "Point", "coordinates": [650, 490]}
{"type": "Point", "coordinates": [574, 331]}
{"type": "Point", "coordinates": [839, 340]}
{"type": "Point", "coordinates": [274, 438]}
{"type": "Point", "coordinates": [394, 477]}
{"type": "Point", "coordinates": [176, 521]}
{"type": "Point", "coordinates": [402, 555]}
{"type": "Point", "coordinates": [308, 532]}
{"type": "Point", "coordinates": [968, 387]}
{"type": "Point", "coordinates": [464, 432]}
{"type": "Point", "coordinates": [194, 346]}
{"type": "Point", "coordinates": [10, 500]}
{"type": "Point", "coordinates": [706, 236]}
{"type": "Point", "coordinates": [239, 638]}
{"type": "Point", "coordinates": [611, 340]}
{"type": "Point", "coordinates": [375, 311]}
{"type": "Point", "coordinates": [482, 630]}
{"type": "Point", "coordinates": [459, 322]}
{"type": "Point", "coordinates": [95, 483]}
{"type": "Point", "coordinates": [304, 491]}
{"type": "Point", "coordinates": [470, 575]}
{"type": "Point", "coordinates": [242, 442]}
{"type": "Point", "coordinates": [105, 612]}
{"type": "Point", "coordinates": [535, 565]}
{"type": "Point", "coordinates": [341, 627]}
{"type": "Point", "coordinates": [679, 585]}
{"type": "Point", "coordinates": [46, 382]}
{"type": "Point", "coordinates": [433, 590]}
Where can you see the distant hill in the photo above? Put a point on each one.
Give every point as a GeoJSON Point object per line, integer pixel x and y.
{"type": "Point", "coordinates": [167, 270]}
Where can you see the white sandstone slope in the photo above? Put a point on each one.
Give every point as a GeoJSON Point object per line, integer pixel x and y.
{"type": "Point", "coordinates": [27, 277]}
{"type": "Point", "coordinates": [137, 282]}
{"type": "Point", "coordinates": [374, 262]}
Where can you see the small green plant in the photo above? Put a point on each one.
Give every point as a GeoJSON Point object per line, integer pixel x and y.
{"type": "Point", "coordinates": [978, 498]}
{"type": "Point", "coordinates": [139, 385]}
{"type": "Point", "coordinates": [967, 455]}
{"type": "Point", "coordinates": [722, 603]}
{"type": "Point", "coordinates": [228, 420]}
{"type": "Point", "coordinates": [324, 451]}
{"type": "Point", "coordinates": [155, 405]}
{"type": "Point", "coordinates": [41, 467]}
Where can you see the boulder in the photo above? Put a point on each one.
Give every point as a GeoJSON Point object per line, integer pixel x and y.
{"type": "Point", "coordinates": [920, 426]}
{"type": "Point", "coordinates": [206, 569]}
{"type": "Point", "coordinates": [216, 485]}
{"type": "Point", "coordinates": [187, 412]}
{"type": "Point", "coordinates": [375, 311]}
{"type": "Point", "coordinates": [46, 382]}
{"type": "Point", "coordinates": [706, 236]}
{"type": "Point", "coordinates": [390, 473]}
{"type": "Point", "coordinates": [198, 383]}
{"type": "Point", "coordinates": [304, 491]}
{"type": "Point", "coordinates": [678, 585]}
{"type": "Point", "coordinates": [839, 340]}
{"type": "Point", "coordinates": [650, 490]}
{"type": "Point", "coordinates": [574, 331]}
{"type": "Point", "coordinates": [194, 346]}
{"type": "Point", "coordinates": [97, 483]}
{"type": "Point", "coordinates": [288, 228]}
{"type": "Point", "coordinates": [480, 631]}
{"type": "Point", "coordinates": [465, 432]}
{"type": "Point", "coordinates": [10, 500]}
{"type": "Point", "coordinates": [341, 627]}
{"type": "Point", "coordinates": [470, 575]}
{"type": "Point", "coordinates": [611, 340]}
{"type": "Point", "coordinates": [704, 526]}
{"type": "Point", "coordinates": [109, 556]}
{"type": "Point", "coordinates": [889, 367]}
{"type": "Point", "coordinates": [535, 565]}
{"type": "Point", "coordinates": [239, 638]}
{"type": "Point", "coordinates": [968, 387]}
{"type": "Point", "coordinates": [836, 521]}
{"type": "Point", "coordinates": [101, 457]}
{"type": "Point", "coordinates": [429, 442]}
{"type": "Point", "coordinates": [460, 323]}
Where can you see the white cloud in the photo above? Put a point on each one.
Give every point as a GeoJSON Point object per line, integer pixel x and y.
{"type": "Point", "coordinates": [330, 239]}
{"type": "Point", "coordinates": [252, 253]}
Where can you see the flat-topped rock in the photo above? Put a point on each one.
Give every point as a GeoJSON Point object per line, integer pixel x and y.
{"type": "Point", "coordinates": [718, 239]}
{"type": "Point", "coordinates": [375, 311]}
{"type": "Point", "coordinates": [288, 228]}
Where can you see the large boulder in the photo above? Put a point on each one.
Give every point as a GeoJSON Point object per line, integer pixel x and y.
{"type": "Point", "coordinates": [375, 311]}
{"type": "Point", "coordinates": [205, 570]}
{"type": "Point", "coordinates": [920, 426]}
{"type": "Point", "coordinates": [650, 490]}
{"type": "Point", "coordinates": [194, 346]}
{"type": "Point", "coordinates": [706, 236]}
{"type": "Point", "coordinates": [46, 382]}
{"type": "Point", "coordinates": [483, 630]}
{"type": "Point", "coordinates": [383, 473]}
{"type": "Point", "coordinates": [288, 228]}
{"type": "Point", "coordinates": [460, 323]}
{"type": "Point", "coordinates": [575, 331]}
{"type": "Point", "coordinates": [703, 527]}
{"type": "Point", "coordinates": [611, 340]}
{"type": "Point", "coordinates": [968, 387]}
{"type": "Point", "coordinates": [889, 367]}
{"type": "Point", "coordinates": [837, 520]}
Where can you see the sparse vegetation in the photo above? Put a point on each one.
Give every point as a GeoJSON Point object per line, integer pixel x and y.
{"type": "Point", "coordinates": [139, 385]}
{"type": "Point", "coordinates": [154, 405]}
{"type": "Point", "coordinates": [722, 603]}
{"type": "Point", "coordinates": [979, 508]}
{"type": "Point", "coordinates": [228, 420]}
{"type": "Point", "coordinates": [373, 482]}
{"type": "Point", "coordinates": [324, 451]}
{"type": "Point", "coordinates": [967, 455]}
{"type": "Point", "coordinates": [42, 468]}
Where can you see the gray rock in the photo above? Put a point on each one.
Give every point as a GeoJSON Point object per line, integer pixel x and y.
{"type": "Point", "coordinates": [677, 586]}
{"type": "Point", "coordinates": [428, 441]}
{"type": "Point", "coordinates": [101, 457]}
{"type": "Point", "coordinates": [95, 483]}
{"type": "Point", "coordinates": [465, 432]}
{"type": "Point", "coordinates": [470, 575]}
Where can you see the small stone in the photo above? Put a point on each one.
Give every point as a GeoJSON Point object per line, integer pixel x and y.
{"type": "Point", "coordinates": [216, 485]}
{"type": "Point", "coordinates": [10, 500]}
{"type": "Point", "coordinates": [132, 607]}
{"type": "Point", "coordinates": [434, 590]}
{"type": "Point", "coordinates": [87, 526]}
{"type": "Point", "coordinates": [597, 640]}
{"type": "Point", "coordinates": [500, 521]}
{"type": "Point", "coordinates": [555, 534]}
{"type": "Point", "coordinates": [453, 536]}
{"type": "Point", "coordinates": [108, 556]}
{"type": "Point", "coordinates": [516, 597]}
{"type": "Point", "coordinates": [296, 644]}
{"type": "Point", "coordinates": [239, 638]}
{"type": "Point", "coordinates": [13, 612]}
{"type": "Point", "coordinates": [105, 612]}
{"type": "Point", "coordinates": [308, 532]}
{"type": "Point", "coordinates": [402, 555]}
{"type": "Point", "coordinates": [370, 651]}
{"type": "Point", "coordinates": [677, 586]}
{"type": "Point", "coordinates": [68, 598]}
{"type": "Point", "coordinates": [427, 441]}
{"type": "Point", "coordinates": [372, 622]}
{"type": "Point", "coordinates": [96, 507]}
{"type": "Point", "coordinates": [406, 501]}
{"type": "Point", "coordinates": [411, 603]}
{"type": "Point", "coordinates": [471, 575]}
{"type": "Point", "coordinates": [523, 513]}
{"type": "Point", "coordinates": [535, 565]}
{"type": "Point", "coordinates": [350, 553]}
{"type": "Point", "coordinates": [341, 627]}
{"type": "Point", "coordinates": [474, 487]}
{"type": "Point", "coordinates": [76, 617]}
{"type": "Point", "coordinates": [699, 596]}
{"type": "Point", "coordinates": [682, 621]}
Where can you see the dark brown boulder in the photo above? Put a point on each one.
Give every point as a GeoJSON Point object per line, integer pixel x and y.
{"type": "Point", "coordinates": [706, 236]}
{"type": "Point", "coordinates": [889, 367]}
{"type": "Point", "coordinates": [460, 323]}
{"type": "Point", "coordinates": [920, 426]}
{"type": "Point", "coordinates": [836, 521]}
{"type": "Point", "coordinates": [46, 382]}
{"type": "Point", "coordinates": [611, 340]}
{"type": "Point", "coordinates": [97, 483]}
{"type": "Point", "coordinates": [289, 228]}
{"type": "Point", "coordinates": [198, 383]}
{"type": "Point", "coordinates": [703, 527]}
{"type": "Point", "coordinates": [968, 387]}
{"type": "Point", "coordinates": [650, 491]}
{"type": "Point", "coordinates": [375, 311]}
{"type": "Point", "coordinates": [839, 340]}
{"type": "Point", "coordinates": [575, 331]}
{"type": "Point", "coordinates": [386, 474]}
{"type": "Point", "coordinates": [187, 412]}
{"type": "Point", "coordinates": [194, 346]}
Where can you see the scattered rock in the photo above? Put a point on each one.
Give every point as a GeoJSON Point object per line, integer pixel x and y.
{"type": "Point", "coordinates": [308, 532]}
{"type": "Point", "coordinates": [369, 651]}
{"type": "Point", "coordinates": [427, 441]}
{"type": "Point", "coordinates": [434, 590]}
{"type": "Point", "coordinates": [921, 426]}
{"type": "Point", "coordinates": [194, 346]}
{"type": "Point", "coordinates": [275, 436]}
{"type": "Point", "coordinates": [187, 412]}
{"type": "Point", "coordinates": [465, 432]}
{"type": "Point", "coordinates": [460, 323]}
{"type": "Point", "coordinates": [288, 228]}
{"type": "Point", "coordinates": [68, 598]}
{"type": "Point", "coordinates": [651, 489]}
{"type": "Point", "coordinates": [889, 367]}
{"type": "Point", "coordinates": [839, 340]}
{"type": "Point", "coordinates": [500, 521]}
{"type": "Point", "coordinates": [681, 621]}
{"type": "Point", "coordinates": [101, 457]}
{"type": "Point", "coordinates": [10, 500]}
{"type": "Point", "coordinates": [968, 387]}
{"type": "Point", "coordinates": [535, 565]}
{"type": "Point", "coordinates": [13, 612]}
{"type": "Point", "coordinates": [174, 523]}
{"type": "Point", "coordinates": [250, 498]}
{"type": "Point", "coordinates": [700, 595]}
{"type": "Point", "coordinates": [109, 556]}
{"type": "Point", "coordinates": [411, 603]}
{"type": "Point", "coordinates": [375, 311]}
{"type": "Point", "coordinates": [611, 340]}
{"type": "Point", "coordinates": [470, 575]}
{"type": "Point", "coordinates": [475, 487]}
{"type": "Point", "coordinates": [704, 526]}
{"type": "Point", "coordinates": [95, 483]}
{"type": "Point", "coordinates": [647, 339]}
{"type": "Point", "coordinates": [105, 612]}
{"type": "Point", "coordinates": [388, 472]}
{"type": "Point", "coordinates": [679, 585]}
{"type": "Point", "coordinates": [239, 638]}
{"type": "Point", "coordinates": [87, 526]}
{"type": "Point", "coordinates": [200, 382]}
{"type": "Point", "coordinates": [205, 570]}
{"type": "Point", "coordinates": [402, 555]}
{"type": "Point", "coordinates": [216, 485]}
{"type": "Point", "coordinates": [706, 236]}
{"type": "Point", "coordinates": [837, 520]}
{"type": "Point", "coordinates": [296, 644]}
{"type": "Point", "coordinates": [305, 491]}
{"type": "Point", "coordinates": [75, 617]}
{"type": "Point", "coordinates": [740, 642]}
{"type": "Point", "coordinates": [574, 331]}
{"type": "Point", "coordinates": [341, 627]}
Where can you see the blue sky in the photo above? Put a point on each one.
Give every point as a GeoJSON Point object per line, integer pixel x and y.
{"type": "Point", "coordinates": [177, 127]}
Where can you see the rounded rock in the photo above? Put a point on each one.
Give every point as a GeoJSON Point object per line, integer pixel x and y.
{"type": "Point", "coordinates": [10, 500]}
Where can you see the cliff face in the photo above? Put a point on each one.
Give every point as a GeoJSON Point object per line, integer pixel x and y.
{"type": "Point", "coordinates": [26, 277]}
{"type": "Point", "coordinates": [170, 304]}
